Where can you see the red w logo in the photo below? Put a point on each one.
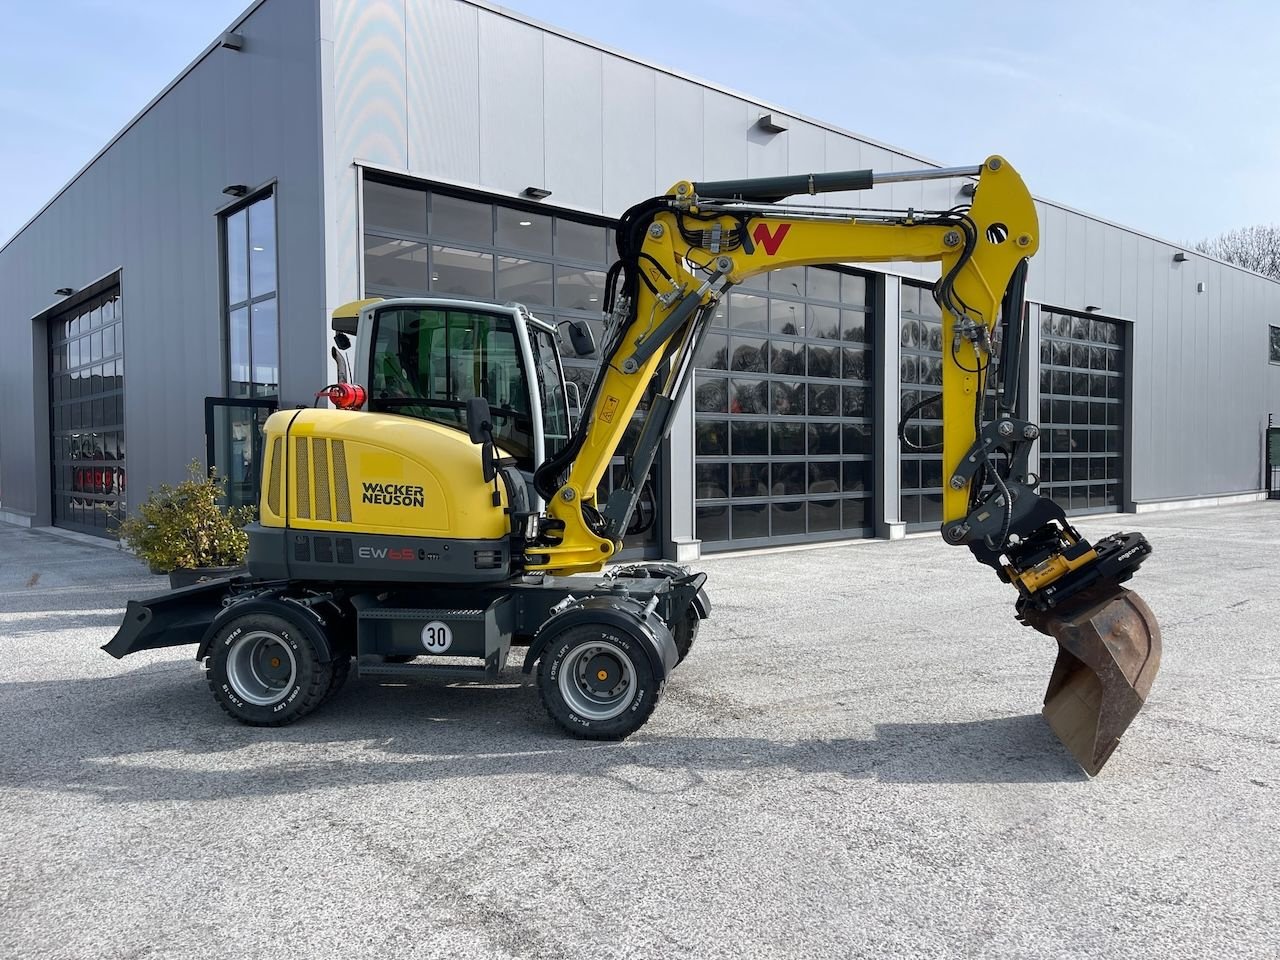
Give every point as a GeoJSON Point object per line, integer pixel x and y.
{"type": "Point", "coordinates": [771, 241]}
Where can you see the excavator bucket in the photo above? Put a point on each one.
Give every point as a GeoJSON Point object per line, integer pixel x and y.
{"type": "Point", "coordinates": [1108, 655]}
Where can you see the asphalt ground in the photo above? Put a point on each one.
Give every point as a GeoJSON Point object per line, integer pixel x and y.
{"type": "Point", "coordinates": [851, 763]}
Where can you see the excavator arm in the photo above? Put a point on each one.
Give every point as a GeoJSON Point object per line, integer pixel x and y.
{"type": "Point", "coordinates": [678, 256]}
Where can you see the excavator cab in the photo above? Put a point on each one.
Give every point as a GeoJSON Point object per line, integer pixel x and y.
{"type": "Point", "coordinates": [427, 357]}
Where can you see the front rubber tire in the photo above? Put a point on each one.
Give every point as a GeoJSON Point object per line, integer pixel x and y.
{"type": "Point", "coordinates": [581, 705]}
{"type": "Point", "coordinates": [265, 672]}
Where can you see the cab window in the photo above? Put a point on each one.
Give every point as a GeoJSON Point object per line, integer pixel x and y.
{"type": "Point", "coordinates": [555, 406]}
{"type": "Point", "coordinates": [427, 363]}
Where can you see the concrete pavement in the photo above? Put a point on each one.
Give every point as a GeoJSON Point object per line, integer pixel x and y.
{"type": "Point", "coordinates": [850, 763]}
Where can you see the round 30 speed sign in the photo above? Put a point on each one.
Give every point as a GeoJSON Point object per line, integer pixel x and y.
{"type": "Point", "coordinates": [437, 637]}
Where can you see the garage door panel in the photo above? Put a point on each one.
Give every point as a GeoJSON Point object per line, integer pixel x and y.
{"type": "Point", "coordinates": [796, 462]}
{"type": "Point", "coordinates": [1081, 411]}
{"type": "Point", "coordinates": [86, 390]}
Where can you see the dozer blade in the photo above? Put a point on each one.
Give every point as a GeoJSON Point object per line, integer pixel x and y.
{"type": "Point", "coordinates": [1108, 655]}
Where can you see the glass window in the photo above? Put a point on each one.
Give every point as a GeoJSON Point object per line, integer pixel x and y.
{"type": "Point", "coordinates": [428, 363]}
{"type": "Point", "coordinates": [749, 355]}
{"type": "Point", "coordinates": [265, 339]}
{"type": "Point", "coordinates": [555, 405]}
{"type": "Point", "coordinates": [713, 352]}
{"type": "Point", "coordinates": [464, 220]}
{"type": "Point", "coordinates": [750, 521]}
{"type": "Point", "coordinates": [237, 257]}
{"type": "Point", "coordinates": [824, 283]}
{"type": "Point", "coordinates": [262, 247]}
{"type": "Point", "coordinates": [578, 288]}
{"type": "Point", "coordinates": [1275, 344]}
{"type": "Point", "coordinates": [711, 395]}
{"type": "Point", "coordinates": [462, 273]}
{"type": "Point", "coordinates": [525, 281]}
{"type": "Point", "coordinates": [787, 438]}
{"type": "Point", "coordinates": [250, 322]}
{"type": "Point", "coordinates": [747, 312]}
{"type": "Point", "coordinates": [392, 209]}
{"type": "Point", "coordinates": [712, 481]}
{"type": "Point", "coordinates": [853, 290]}
{"type": "Point", "coordinates": [823, 322]}
{"type": "Point", "coordinates": [581, 241]}
{"type": "Point", "coordinates": [394, 264]}
{"type": "Point", "coordinates": [786, 317]}
{"type": "Point", "coordinates": [519, 230]}
{"type": "Point", "coordinates": [238, 350]}
{"type": "Point", "coordinates": [789, 281]}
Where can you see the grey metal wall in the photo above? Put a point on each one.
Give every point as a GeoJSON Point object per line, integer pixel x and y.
{"type": "Point", "coordinates": [461, 92]}
{"type": "Point", "coordinates": [1202, 385]}
{"type": "Point", "coordinates": [147, 206]}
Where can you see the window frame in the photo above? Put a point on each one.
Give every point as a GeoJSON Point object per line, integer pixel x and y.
{"type": "Point", "coordinates": [224, 215]}
{"type": "Point", "coordinates": [1273, 344]}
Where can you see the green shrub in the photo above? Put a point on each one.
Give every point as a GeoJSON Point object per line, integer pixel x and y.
{"type": "Point", "coordinates": [184, 527]}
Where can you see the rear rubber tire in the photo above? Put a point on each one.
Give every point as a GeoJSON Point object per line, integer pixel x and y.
{"type": "Point", "coordinates": [685, 632]}
{"type": "Point", "coordinates": [265, 672]}
{"type": "Point", "coordinates": [615, 717]}
{"type": "Point", "coordinates": [340, 670]}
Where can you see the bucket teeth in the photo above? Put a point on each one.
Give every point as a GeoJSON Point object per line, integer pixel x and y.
{"type": "Point", "coordinates": [1108, 655]}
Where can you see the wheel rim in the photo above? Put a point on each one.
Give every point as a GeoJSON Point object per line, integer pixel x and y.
{"type": "Point", "coordinates": [597, 680]}
{"type": "Point", "coordinates": [261, 668]}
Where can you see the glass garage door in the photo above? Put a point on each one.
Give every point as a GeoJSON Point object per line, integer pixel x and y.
{"type": "Point", "coordinates": [920, 376]}
{"type": "Point", "coordinates": [86, 396]}
{"type": "Point", "coordinates": [1081, 411]}
{"type": "Point", "coordinates": [782, 401]}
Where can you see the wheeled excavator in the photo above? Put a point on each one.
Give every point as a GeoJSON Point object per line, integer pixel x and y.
{"type": "Point", "coordinates": [446, 507]}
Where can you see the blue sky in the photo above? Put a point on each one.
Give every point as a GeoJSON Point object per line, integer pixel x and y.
{"type": "Point", "coordinates": [1162, 115]}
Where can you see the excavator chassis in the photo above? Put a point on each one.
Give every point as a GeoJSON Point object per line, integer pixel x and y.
{"type": "Point", "coordinates": [274, 650]}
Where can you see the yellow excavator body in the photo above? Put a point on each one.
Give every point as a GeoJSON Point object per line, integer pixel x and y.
{"type": "Point", "coordinates": [376, 473]}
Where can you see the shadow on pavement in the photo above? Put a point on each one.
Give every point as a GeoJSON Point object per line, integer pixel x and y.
{"type": "Point", "coordinates": [156, 734]}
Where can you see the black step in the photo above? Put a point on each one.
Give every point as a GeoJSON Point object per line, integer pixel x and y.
{"type": "Point", "coordinates": [376, 667]}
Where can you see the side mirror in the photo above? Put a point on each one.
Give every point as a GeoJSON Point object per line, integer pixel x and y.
{"type": "Point", "coordinates": [342, 340]}
{"type": "Point", "coordinates": [479, 420]}
{"type": "Point", "coordinates": [581, 339]}
{"type": "Point", "coordinates": [480, 430]}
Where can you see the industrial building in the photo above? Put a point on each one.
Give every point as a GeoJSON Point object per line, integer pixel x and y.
{"type": "Point", "coordinates": [179, 287]}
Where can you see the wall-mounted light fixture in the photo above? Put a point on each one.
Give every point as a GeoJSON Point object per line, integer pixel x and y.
{"type": "Point", "coordinates": [232, 41]}
{"type": "Point", "coordinates": [235, 190]}
{"type": "Point", "coordinates": [968, 189]}
{"type": "Point", "coordinates": [1200, 287]}
{"type": "Point", "coordinates": [64, 291]}
{"type": "Point", "coordinates": [1179, 257]}
{"type": "Point", "coordinates": [766, 123]}
{"type": "Point", "coordinates": [1091, 309]}
{"type": "Point", "coordinates": [535, 193]}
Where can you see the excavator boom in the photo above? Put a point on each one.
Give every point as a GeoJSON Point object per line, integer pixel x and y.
{"type": "Point", "coordinates": [678, 256]}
